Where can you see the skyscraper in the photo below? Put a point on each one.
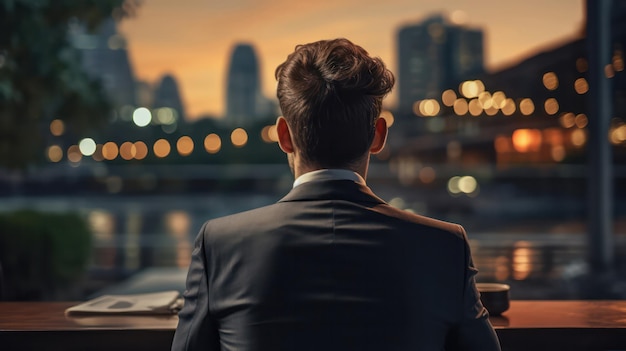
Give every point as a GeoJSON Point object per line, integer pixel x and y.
{"type": "Point", "coordinates": [243, 99]}
{"type": "Point", "coordinates": [167, 95]}
{"type": "Point", "coordinates": [433, 56]}
{"type": "Point", "coordinates": [104, 56]}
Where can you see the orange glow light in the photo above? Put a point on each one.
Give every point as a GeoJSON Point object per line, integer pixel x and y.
{"type": "Point", "coordinates": [57, 127]}
{"type": "Point", "coordinates": [74, 154]}
{"type": "Point", "coordinates": [609, 71]}
{"type": "Point", "coordinates": [127, 151]}
{"type": "Point", "coordinates": [525, 140]}
{"type": "Point", "coordinates": [508, 107]}
{"type": "Point", "coordinates": [427, 175]}
{"type": "Point", "coordinates": [526, 107]}
{"type": "Point", "coordinates": [581, 65]}
{"type": "Point", "coordinates": [54, 153]}
{"type": "Point", "coordinates": [97, 156]}
{"type": "Point", "coordinates": [551, 106]}
{"type": "Point", "coordinates": [161, 148]}
{"type": "Point", "coordinates": [141, 150]}
{"type": "Point", "coordinates": [502, 144]}
{"type": "Point", "coordinates": [239, 137]}
{"type": "Point", "coordinates": [581, 120]}
{"type": "Point", "coordinates": [109, 151]}
{"type": "Point", "coordinates": [581, 86]}
{"type": "Point", "coordinates": [567, 120]}
{"type": "Point", "coordinates": [460, 107]}
{"type": "Point", "coordinates": [578, 137]}
{"type": "Point", "coordinates": [184, 145]}
{"type": "Point", "coordinates": [448, 97]}
{"type": "Point", "coordinates": [474, 107]}
{"type": "Point", "coordinates": [550, 81]}
{"type": "Point", "coordinates": [212, 143]}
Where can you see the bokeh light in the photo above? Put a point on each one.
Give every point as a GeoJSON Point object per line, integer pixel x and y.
{"type": "Point", "coordinates": [87, 146]}
{"type": "Point", "coordinates": [239, 137]}
{"type": "Point", "coordinates": [161, 148]}
{"type": "Point", "coordinates": [618, 61]}
{"type": "Point", "coordinates": [581, 65]}
{"type": "Point", "coordinates": [557, 152]}
{"type": "Point", "coordinates": [502, 144]}
{"type": "Point", "coordinates": [460, 107]}
{"type": "Point", "coordinates": [567, 120]}
{"type": "Point", "coordinates": [97, 156]}
{"type": "Point", "coordinates": [184, 145]}
{"type": "Point", "coordinates": [429, 107]}
{"type": "Point", "coordinates": [54, 153]}
{"type": "Point", "coordinates": [109, 151]}
{"type": "Point", "coordinates": [448, 97]}
{"type": "Point", "coordinates": [484, 98]}
{"type": "Point", "coordinates": [265, 134]}
{"type": "Point", "coordinates": [618, 135]}
{"type": "Point", "coordinates": [551, 106]}
{"type": "Point", "coordinates": [498, 99]}
{"type": "Point", "coordinates": [525, 140]}
{"type": "Point", "coordinates": [581, 86]}
{"type": "Point", "coordinates": [471, 89]}
{"type": "Point", "coordinates": [468, 184]}
{"type": "Point", "coordinates": [212, 143]}
{"type": "Point", "coordinates": [57, 127]}
{"type": "Point", "coordinates": [127, 151]}
{"type": "Point", "coordinates": [453, 185]}
{"type": "Point", "coordinates": [508, 107]}
{"type": "Point", "coordinates": [141, 150]}
{"type": "Point", "coordinates": [474, 107]}
{"type": "Point", "coordinates": [526, 107]}
{"type": "Point", "coordinates": [578, 137]}
{"type": "Point", "coordinates": [609, 72]}
{"type": "Point", "coordinates": [166, 115]}
{"type": "Point", "coordinates": [142, 117]}
{"type": "Point", "coordinates": [427, 175]}
{"type": "Point", "coordinates": [550, 81]}
{"type": "Point", "coordinates": [581, 120]}
{"type": "Point", "coordinates": [73, 154]}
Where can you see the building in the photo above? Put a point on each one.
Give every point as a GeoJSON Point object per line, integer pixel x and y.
{"type": "Point", "coordinates": [433, 56]}
{"type": "Point", "coordinates": [244, 101]}
{"type": "Point", "coordinates": [167, 94]}
{"type": "Point", "coordinates": [104, 56]}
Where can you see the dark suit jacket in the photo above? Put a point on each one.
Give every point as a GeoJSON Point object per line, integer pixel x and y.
{"type": "Point", "coordinates": [332, 267]}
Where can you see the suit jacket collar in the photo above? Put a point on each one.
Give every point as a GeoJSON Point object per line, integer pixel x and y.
{"type": "Point", "coordinates": [332, 190]}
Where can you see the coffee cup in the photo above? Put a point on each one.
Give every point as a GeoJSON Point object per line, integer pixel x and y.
{"type": "Point", "coordinates": [494, 296]}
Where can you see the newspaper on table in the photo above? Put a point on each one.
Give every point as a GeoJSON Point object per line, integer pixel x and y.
{"type": "Point", "coordinates": [165, 302]}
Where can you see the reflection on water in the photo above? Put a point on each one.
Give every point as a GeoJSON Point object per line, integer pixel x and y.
{"type": "Point", "coordinates": [522, 260]}
{"type": "Point", "coordinates": [179, 226]}
{"type": "Point", "coordinates": [168, 244]}
{"type": "Point", "coordinates": [502, 271]}
{"type": "Point", "coordinates": [133, 234]}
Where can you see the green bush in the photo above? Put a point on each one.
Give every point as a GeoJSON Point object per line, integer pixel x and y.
{"type": "Point", "coordinates": [42, 253]}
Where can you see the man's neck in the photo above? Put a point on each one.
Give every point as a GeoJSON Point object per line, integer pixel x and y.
{"type": "Point", "coordinates": [300, 169]}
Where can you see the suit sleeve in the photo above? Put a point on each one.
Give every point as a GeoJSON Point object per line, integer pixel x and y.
{"type": "Point", "coordinates": [196, 329]}
{"type": "Point", "coordinates": [474, 332]}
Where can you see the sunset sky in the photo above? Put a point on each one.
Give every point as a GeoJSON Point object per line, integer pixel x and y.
{"type": "Point", "coordinates": [193, 39]}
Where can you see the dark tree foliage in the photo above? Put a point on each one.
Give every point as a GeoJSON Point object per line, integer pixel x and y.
{"type": "Point", "coordinates": [41, 77]}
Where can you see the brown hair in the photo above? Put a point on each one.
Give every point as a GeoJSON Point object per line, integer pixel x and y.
{"type": "Point", "coordinates": [330, 92]}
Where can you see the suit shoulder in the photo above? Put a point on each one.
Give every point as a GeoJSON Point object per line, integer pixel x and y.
{"type": "Point", "coordinates": [247, 219]}
{"type": "Point", "coordinates": [420, 220]}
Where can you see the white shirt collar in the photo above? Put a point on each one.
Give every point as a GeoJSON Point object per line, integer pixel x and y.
{"type": "Point", "coordinates": [329, 174]}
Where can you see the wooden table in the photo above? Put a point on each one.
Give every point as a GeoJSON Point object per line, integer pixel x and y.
{"type": "Point", "coordinates": [528, 326]}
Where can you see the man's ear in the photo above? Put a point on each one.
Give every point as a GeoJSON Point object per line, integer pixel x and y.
{"type": "Point", "coordinates": [380, 136]}
{"type": "Point", "coordinates": [284, 135]}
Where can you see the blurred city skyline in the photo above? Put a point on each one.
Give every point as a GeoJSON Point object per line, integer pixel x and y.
{"type": "Point", "coordinates": [193, 40]}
